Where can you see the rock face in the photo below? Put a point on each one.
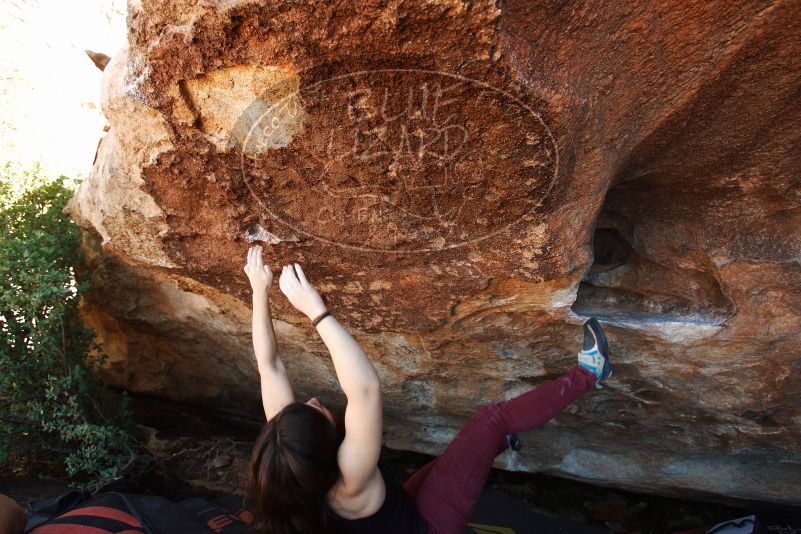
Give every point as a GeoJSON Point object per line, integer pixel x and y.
{"type": "Point", "coordinates": [465, 183]}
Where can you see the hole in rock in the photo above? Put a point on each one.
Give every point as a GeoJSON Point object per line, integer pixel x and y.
{"type": "Point", "coordinates": [643, 279]}
{"type": "Point", "coordinates": [609, 250]}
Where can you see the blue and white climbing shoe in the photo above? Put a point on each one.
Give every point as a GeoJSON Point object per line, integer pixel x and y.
{"type": "Point", "coordinates": [594, 354]}
{"type": "Point", "coordinates": [513, 442]}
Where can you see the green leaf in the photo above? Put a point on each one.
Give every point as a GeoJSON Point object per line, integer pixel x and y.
{"type": "Point", "coordinates": [43, 345]}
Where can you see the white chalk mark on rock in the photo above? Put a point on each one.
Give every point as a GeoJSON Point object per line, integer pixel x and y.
{"type": "Point", "coordinates": [257, 233]}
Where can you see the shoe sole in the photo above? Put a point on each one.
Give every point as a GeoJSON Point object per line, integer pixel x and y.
{"type": "Point", "coordinates": [598, 333]}
{"type": "Point", "coordinates": [600, 339]}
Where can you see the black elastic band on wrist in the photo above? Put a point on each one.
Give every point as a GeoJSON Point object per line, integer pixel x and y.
{"type": "Point", "coordinates": [321, 317]}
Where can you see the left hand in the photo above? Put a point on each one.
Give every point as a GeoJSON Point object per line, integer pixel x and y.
{"type": "Point", "coordinates": [260, 275]}
{"type": "Point", "coordinates": [300, 292]}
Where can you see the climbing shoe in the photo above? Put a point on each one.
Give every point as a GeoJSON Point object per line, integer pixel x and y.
{"type": "Point", "coordinates": [594, 355]}
{"type": "Point", "coordinates": [513, 442]}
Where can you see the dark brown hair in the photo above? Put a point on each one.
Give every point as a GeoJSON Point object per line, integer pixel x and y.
{"type": "Point", "coordinates": [292, 468]}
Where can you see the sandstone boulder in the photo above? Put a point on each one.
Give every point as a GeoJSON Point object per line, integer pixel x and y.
{"type": "Point", "coordinates": [465, 183]}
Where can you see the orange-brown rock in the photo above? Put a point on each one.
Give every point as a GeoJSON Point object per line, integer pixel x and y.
{"type": "Point", "coordinates": [465, 183]}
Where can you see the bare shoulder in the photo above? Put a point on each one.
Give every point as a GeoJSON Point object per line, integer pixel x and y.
{"type": "Point", "coordinates": [356, 505]}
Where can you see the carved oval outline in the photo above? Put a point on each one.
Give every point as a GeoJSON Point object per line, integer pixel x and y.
{"type": "Point", "coordinates": [467, 242]}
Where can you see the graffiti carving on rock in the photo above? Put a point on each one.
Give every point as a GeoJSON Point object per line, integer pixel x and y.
{"type": "Point", "coordinates": [399, 160]}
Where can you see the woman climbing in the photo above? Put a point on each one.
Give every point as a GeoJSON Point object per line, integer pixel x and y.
{"type": "Point", "coordinates": [309, 476]}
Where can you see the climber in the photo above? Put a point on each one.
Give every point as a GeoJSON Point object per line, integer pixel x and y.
{"type": "Point", "coordinates": [310, 473]}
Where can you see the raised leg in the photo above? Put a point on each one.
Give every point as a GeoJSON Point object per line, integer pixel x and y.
{"type": "Point", "coordinates": [446, 490]}
{"type": "Point", "coordinates": [412, 485]}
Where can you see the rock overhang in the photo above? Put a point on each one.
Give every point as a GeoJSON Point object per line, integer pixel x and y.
{"type": "Point", "coordinates": [606, 196]}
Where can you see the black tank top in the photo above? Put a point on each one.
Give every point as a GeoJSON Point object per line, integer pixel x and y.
{"type": "Point", "coordinates": [397, 515]}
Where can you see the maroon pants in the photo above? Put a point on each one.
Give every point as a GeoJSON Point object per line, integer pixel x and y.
{"type": "Point", "coordinates": [447, 488]}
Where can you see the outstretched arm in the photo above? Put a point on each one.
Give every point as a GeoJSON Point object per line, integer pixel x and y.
{"type": "Point", "coordinates": [359, 452]}
{"type": "Point", "coordinates": [276, 392]}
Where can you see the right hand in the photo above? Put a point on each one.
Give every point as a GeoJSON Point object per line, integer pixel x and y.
{"type": "Point", "coordinates": [299, 291]}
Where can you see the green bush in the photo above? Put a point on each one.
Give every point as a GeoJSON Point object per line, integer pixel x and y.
{"type": "Point", "coordinates": [49, 401]}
